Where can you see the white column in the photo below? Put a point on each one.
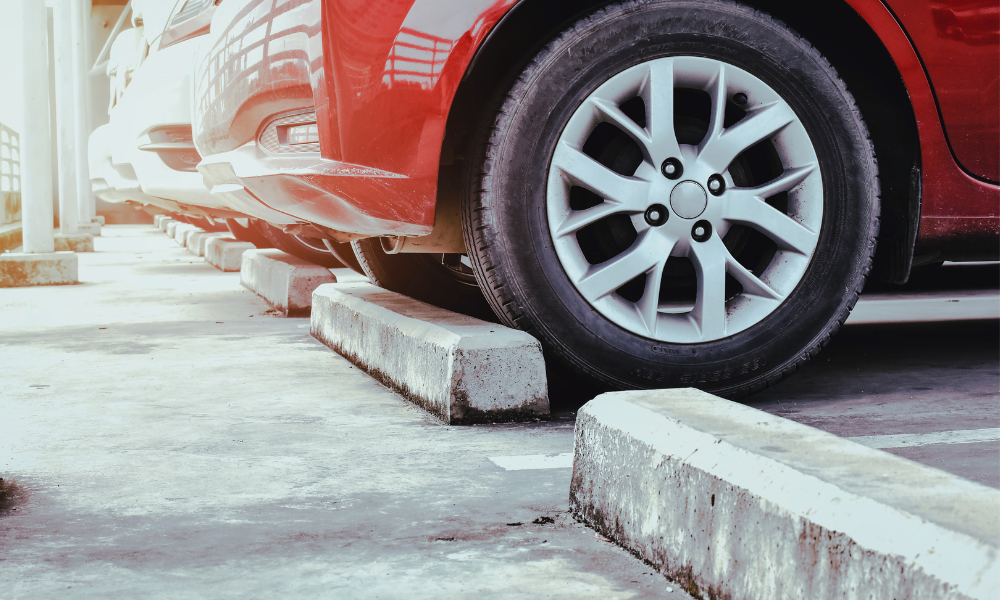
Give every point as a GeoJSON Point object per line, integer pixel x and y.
{"type": "Point", "coordinates": [69, 210]}
{"type": "Point", "coordinates": [85, 197]}
{"type": "Point", "coordinates": [36, 151]}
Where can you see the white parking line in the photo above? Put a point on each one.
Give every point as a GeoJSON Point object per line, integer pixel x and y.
{"type": "Point", "coordinates": [913, 308]}
{"type": "Point", "coordinates": [913, 440]}
{"type": "Point", "coordinates": [534, 461]}
{"type": "Point", "coordinates": [530, 462]}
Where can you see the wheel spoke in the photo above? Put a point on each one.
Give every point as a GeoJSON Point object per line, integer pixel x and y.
{"type": "Point", "coordinates": [783, 183]}
{"type": "Point", "coordinates": [612, 114]}
{"type": "Point", "coordinates": [658, 94]}
{"type": "Point", "coordinates": [752, 211]}
{"type": "Point", "coordinates": [751, 283]}
{"type": "Point", "coordinates": [645, 253]}
{"type": "Point", "coordinates": [648, 306]}
{"type": "Point", "coordinates": [588, 173]}
{"type": "Point", "coordinates": [722, 146]}
{"type": "Point", "coordinates": [579, 219]}
{"type": "Point", "coordinates": [718, 92]}
{"type": "Point", "coordinates": [709, 314]}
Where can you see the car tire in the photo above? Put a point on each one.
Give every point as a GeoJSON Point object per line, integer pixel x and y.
{"type": "Point", "coordinates": [424, 277]}
{"type": "Point", "coordinates": [249, 230]}
{"type": "Point", "coordinates": [344, 252]}
{"type": "Point", "coordinates": [551, 264]}
{"type": "Point", "coordinates": [309, 249]}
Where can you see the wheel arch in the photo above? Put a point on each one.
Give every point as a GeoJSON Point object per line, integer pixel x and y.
{"type": "Point", "coordinates": [865, 64]}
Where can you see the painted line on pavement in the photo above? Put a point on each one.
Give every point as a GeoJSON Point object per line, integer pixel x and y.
{"type": "Point", "coordinates": [532, 462]}
{"type": "Point", "coordinates": [921, 309]}
{"type": "Point", "coordinates": [913, 440]}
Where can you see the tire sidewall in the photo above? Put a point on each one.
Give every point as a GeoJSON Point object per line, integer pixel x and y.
{"type": "Point", "coordinates": [530, 125]}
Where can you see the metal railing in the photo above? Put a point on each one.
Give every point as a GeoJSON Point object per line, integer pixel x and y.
{"type": "Point", "coordinates": [10, 176]}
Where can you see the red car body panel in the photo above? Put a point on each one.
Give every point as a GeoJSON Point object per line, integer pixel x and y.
{"type": "Point", "coordinates": [958, 44]}
{"type": "Point", "coordinates": [959, 211]}
{"type": "Point", "coordinates": [383, 74]}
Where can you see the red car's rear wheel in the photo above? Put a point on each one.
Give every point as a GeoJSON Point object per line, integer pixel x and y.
{"type": "Point", "coordinates": [663, 203]}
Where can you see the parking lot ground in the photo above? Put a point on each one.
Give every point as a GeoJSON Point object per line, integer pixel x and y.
{"type": "Point", "coordinates": [926, 390]}
{"type": "Point", "coordinates": [177, 439]}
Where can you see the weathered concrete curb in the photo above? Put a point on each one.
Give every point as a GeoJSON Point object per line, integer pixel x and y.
{"type": "Point", "coordinates": [182, 231]}
{"type": "Point", "coordinates": [10, 236]}
{"type": "Point", "coordinates": [93, 228]}
{"type": "Point", "coordinates": [99, 219]}
{"type": "Point", "coordinates": [461, 369]}
{"type": "Point", "coordinates": [74, 242]}
{"type": "Point", "coordinates": [736, 503]}
{"type": "Point", "coordinates": [226, 255]}
{"type": "Point", "coordinates": [286, 282]}
{"type": "Point", "coordinates": [51, 268]}
{"type": "Point", "coordinates": [345, 275]}
{"type": "Point", "coordinates": [197, 240]}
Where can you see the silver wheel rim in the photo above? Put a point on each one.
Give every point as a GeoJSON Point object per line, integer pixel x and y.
{"type": "Point", "coordinates": [698, 223]}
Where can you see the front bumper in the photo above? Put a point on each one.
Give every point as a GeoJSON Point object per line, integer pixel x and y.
{"type": "Point", "coordinates": [341, 196]}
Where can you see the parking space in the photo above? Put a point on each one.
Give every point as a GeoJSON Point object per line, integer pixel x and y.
{"type": "Point", "coordinates": [176, 437]}
{"type": "Point", "coordinates": [923, 389]}
{"type": "Point", "coordinates": [179, 439]}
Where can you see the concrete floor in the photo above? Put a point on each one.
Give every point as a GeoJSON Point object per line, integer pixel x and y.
{"type": "Point", "coordinates": [919, 377]}
{"type": "Point", "coordinates": [177, 439]}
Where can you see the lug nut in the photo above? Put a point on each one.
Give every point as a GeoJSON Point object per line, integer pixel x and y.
{"type": "Point", "coordinates": [740, 99]}
{"type": "Point", "coordinates": [716, 185]}
{"type": "Point", "coordinates": [656, 215]}
{"type": "Point", "coordinates": [701, 231]}
{"type": "Point", "coordinates": [672, 168]}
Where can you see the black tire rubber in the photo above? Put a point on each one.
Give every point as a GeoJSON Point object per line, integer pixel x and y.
{"type": "Point", "coordinates": [252, 233]}
{"type": "Point", "coordinates": [422, 277]}
{"type": "Point", "coordinates": [345, 254]}
{"type": "Point", "coordinates": [300, 248]}
{"type": "Point", "coordinates": [504, 215]}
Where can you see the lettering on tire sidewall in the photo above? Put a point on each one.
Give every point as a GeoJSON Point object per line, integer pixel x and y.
{"type": "Point", "coordinates": [696, 378]}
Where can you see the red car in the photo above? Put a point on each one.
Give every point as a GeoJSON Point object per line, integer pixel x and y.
{"type": "Point", "coordinates": [664, 192]}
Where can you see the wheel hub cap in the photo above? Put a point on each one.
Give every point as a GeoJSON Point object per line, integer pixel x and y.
{"type": "Point", "coordinates": [615, 251]}
{"type": "Point", "coordinates": [688, 200]}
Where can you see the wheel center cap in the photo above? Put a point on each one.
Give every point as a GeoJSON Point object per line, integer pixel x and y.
{"type": "Point", "coordinates": [688, 200]}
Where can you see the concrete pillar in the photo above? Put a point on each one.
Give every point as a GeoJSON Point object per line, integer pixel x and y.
{"type": "Point", "coordinates": [36, 151]}
{"type": "Point", "coordinates": [66, 101]}
{"type": "Point", "coordinates": [85, 196]}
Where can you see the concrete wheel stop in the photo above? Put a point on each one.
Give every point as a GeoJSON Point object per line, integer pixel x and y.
{"type": "Point", "coordinates": [182, 231]}
{"type": "Point", "coordinates": [732, 502]}
{"type": "Point", "coordinates": [225, 254]}
{"type": "Point", "coordinates": [93, 228]}
{"type": "Point", "coordinates": [45, 268]}
{"type": "Point", "coordinates": [198, 240]}
{"type": "Point", "coordinates": [73, 242]}
{"type": "Point", "coordinates": [461, 369]}
{"type": "Point", "coordinates": [286, 282]}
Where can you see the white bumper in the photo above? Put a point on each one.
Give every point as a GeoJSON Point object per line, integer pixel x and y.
{"type": "Point", "coordinates": [158, 96]}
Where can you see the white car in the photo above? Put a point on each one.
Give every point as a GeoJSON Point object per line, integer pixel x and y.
{"type": "Point", "coordinates": [146, 154]}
